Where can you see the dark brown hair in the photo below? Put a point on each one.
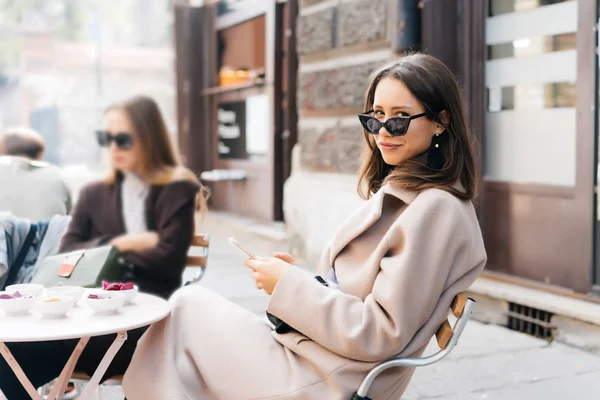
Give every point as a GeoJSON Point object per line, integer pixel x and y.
{"type": "Point", "coordinates": [22, 142]}
{"type": "Point", "coordinates": [435, 87]}
{"type": "Point", "coordinates": [159, 163]}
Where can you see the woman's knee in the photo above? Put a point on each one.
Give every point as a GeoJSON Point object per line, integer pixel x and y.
{"type": "Point", "coordinates": [193, 296]}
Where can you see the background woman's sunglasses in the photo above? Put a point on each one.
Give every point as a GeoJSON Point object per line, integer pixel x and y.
{"type": "Point", "coordinates": [123, 140]}
{"type": "Point", "coordinates": [396, 126]}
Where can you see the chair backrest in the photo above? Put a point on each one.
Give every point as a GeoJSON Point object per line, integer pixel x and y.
{"type": "Point", "coordinates": [201, 241]}
{"type": "Point", "coordinates": [198, 257]}
{"type": "Point", "coordinates": [444, 334]}
{"type": "Point", "coordinates": [447, 337]}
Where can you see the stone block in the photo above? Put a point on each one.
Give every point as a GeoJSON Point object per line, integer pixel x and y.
{"type": "Point", "coordinates": [577, 333]}
{"type": "Point", "coordinates": [350, 146]}
{"type": "Point", "coordinates": [317, 90]}
{"type": "Point", "coordinates": [308, 3]}
{"type": "Point", "coordinates": [362, 21]}
{"type": "Point", "coordinates": [352, 83]}
{"type": "Point", "coordinates": [319, 149]}
{"type": "Point", "coordinates": [336, 88]}
{"type": "Point", "coordinates": [315, 31]}
{"type": "Point", "coordinates": [315, 205]}
{"type": "Point", "coordinates": [332, 149]}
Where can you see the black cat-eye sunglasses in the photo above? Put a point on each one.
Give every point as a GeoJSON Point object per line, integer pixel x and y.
{"type": "Point", "coordinates": [396, 126]}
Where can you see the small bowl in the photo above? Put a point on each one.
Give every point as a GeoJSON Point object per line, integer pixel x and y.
{"type": "Point", "coordinates": [109, 302]}
{"type": "Point", "coordinates": [129, 294]}
{"type": "Point", "coordinates": [33, 289]}
{"type": "Point", "coordinates": [17, 306]}
{"type": "Point", "coordinates": [74, 291]}
{"type": "Point", "coordinates": [54, 309]}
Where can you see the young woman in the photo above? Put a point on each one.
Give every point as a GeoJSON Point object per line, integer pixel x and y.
{"type": "Point", "coordinates": [145, 208]}
{"type": "Point", "coordinates": [393, 269]}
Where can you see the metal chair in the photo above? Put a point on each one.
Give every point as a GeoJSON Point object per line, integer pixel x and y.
{"type": "Point", "coordinates": [194, 260]}
{"type": "Point", "coordinates": [202, 243]}
{"type": "Point", "coordinates": [447, 338]}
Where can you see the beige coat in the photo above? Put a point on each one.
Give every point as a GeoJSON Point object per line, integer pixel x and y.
{"type": "Point", "coordinates": [393, 304]}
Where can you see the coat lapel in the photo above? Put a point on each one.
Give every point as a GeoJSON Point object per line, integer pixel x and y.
{"type": "Point", "coordinates": [366, 216]}
{"type": "Point", "coordinates": [358, 222]}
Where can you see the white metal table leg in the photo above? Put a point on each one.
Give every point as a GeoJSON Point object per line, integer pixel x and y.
{"type": "Point", "coordinates": [14, 365]}
{"type": "Point", "coordinates": [63, 380]}
{"type": "Point", "coordinates": [103, 366]}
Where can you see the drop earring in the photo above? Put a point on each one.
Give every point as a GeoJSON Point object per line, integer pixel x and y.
{"type": "Point", "coordinates": [435, 155]}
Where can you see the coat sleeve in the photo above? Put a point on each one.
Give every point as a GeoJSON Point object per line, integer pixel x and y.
{"type": "Point", "coordinates": [79, 231]}
{"type": "Point", "coordinates": [174, 210]}
{"type": "Point", "coordinates": [429, 241]}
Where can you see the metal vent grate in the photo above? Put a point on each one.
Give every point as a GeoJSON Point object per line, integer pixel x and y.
{"type": "Point", "coordinates": [531, 321]}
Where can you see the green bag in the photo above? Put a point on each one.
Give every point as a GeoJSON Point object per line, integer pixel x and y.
{"type": "Point", "coordinates": [87, 268]}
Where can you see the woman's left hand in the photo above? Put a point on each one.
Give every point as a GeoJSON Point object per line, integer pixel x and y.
{"type": "Point", "coordinates": [267, 272]}
{"type": "Point", "coordinates": [135, 241]}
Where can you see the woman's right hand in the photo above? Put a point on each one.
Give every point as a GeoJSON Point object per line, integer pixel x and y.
{"type": "Point", "coordinates": [135, 241]}
{"type": "Point", "coordinates": [287, 257]}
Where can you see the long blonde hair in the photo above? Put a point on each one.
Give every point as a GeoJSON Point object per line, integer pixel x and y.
{"type": "Point", "coordinates": [159, 163]}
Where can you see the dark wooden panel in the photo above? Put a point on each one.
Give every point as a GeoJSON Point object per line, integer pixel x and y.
{"type": "Point", "coordinates": [291, 88]}
{"type": "Point", "coordinates": [537, 237]}
{"type": "Point", "coordinates": [278, 117]}
{"type": "Point", "coordinates": [252, 197]}
{"type": "Point", "coordinates": [195, 63]}
{"type": "Point", "coordinates": [438, 30]}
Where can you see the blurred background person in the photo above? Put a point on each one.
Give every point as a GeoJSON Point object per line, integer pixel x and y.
{"type": "Point", "coordinates": [146, 208]}
{"type": "Point", "coordinates": [29, 187]}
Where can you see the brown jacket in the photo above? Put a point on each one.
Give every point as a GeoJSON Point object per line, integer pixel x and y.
{"type": "Point", "coordinates": [97, 218]}
{"type": "Point", "coordinates": [391, 304]}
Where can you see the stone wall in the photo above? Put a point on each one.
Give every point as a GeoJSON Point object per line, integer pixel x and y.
{"type": "Point", "coordinates": [340, 44]}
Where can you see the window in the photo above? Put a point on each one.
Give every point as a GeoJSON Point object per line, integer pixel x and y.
{"type": "Point", "coordinates": [530, 74]}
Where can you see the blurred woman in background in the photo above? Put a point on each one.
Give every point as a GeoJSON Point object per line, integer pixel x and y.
{"type": "Point", "coordinates": [146, 209]}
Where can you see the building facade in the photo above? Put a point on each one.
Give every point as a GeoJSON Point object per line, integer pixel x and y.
{"type": "Point", "coordinates": [528, 72]}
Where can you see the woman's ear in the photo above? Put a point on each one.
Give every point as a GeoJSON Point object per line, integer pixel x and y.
{"type": "Point", "coordinates": [442, 123]}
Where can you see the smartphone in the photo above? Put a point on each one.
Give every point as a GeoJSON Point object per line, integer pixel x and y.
{"type": "Point", "coordinates": [239, 246]}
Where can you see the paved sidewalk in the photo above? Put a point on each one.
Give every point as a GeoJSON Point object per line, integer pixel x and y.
{"type": "Point", "coordinates": [490, 362]}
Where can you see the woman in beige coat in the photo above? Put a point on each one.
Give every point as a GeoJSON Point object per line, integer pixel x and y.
{"type": "Point", "coordinates": [392, 268]}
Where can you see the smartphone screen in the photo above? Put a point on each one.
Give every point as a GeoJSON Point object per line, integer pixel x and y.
{"type": "Point", "coordinates": [239, 246]}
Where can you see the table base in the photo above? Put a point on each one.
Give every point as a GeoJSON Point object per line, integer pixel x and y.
{"type": "Point", "coordinates": [60, 386]}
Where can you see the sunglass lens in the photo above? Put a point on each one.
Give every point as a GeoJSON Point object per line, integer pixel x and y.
{"type": "Point", "coordinates": [102, 138]}
{"type": "Point", "coordinates": [371, 124]}
{"type": "Point", "coordinates": [123, 141]}
{"type": "Point", "coordinates": [397, 126]}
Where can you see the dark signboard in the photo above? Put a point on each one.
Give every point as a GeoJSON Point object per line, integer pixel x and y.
{"type": "Point", "coordinates": [231, 118]}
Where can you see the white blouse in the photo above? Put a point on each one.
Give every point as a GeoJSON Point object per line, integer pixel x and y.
{"type": "Point", "coordinates": [133, 199]}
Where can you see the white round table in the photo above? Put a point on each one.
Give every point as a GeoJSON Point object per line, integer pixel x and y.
{"type": "Point", "coordinates": [79, 323]}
